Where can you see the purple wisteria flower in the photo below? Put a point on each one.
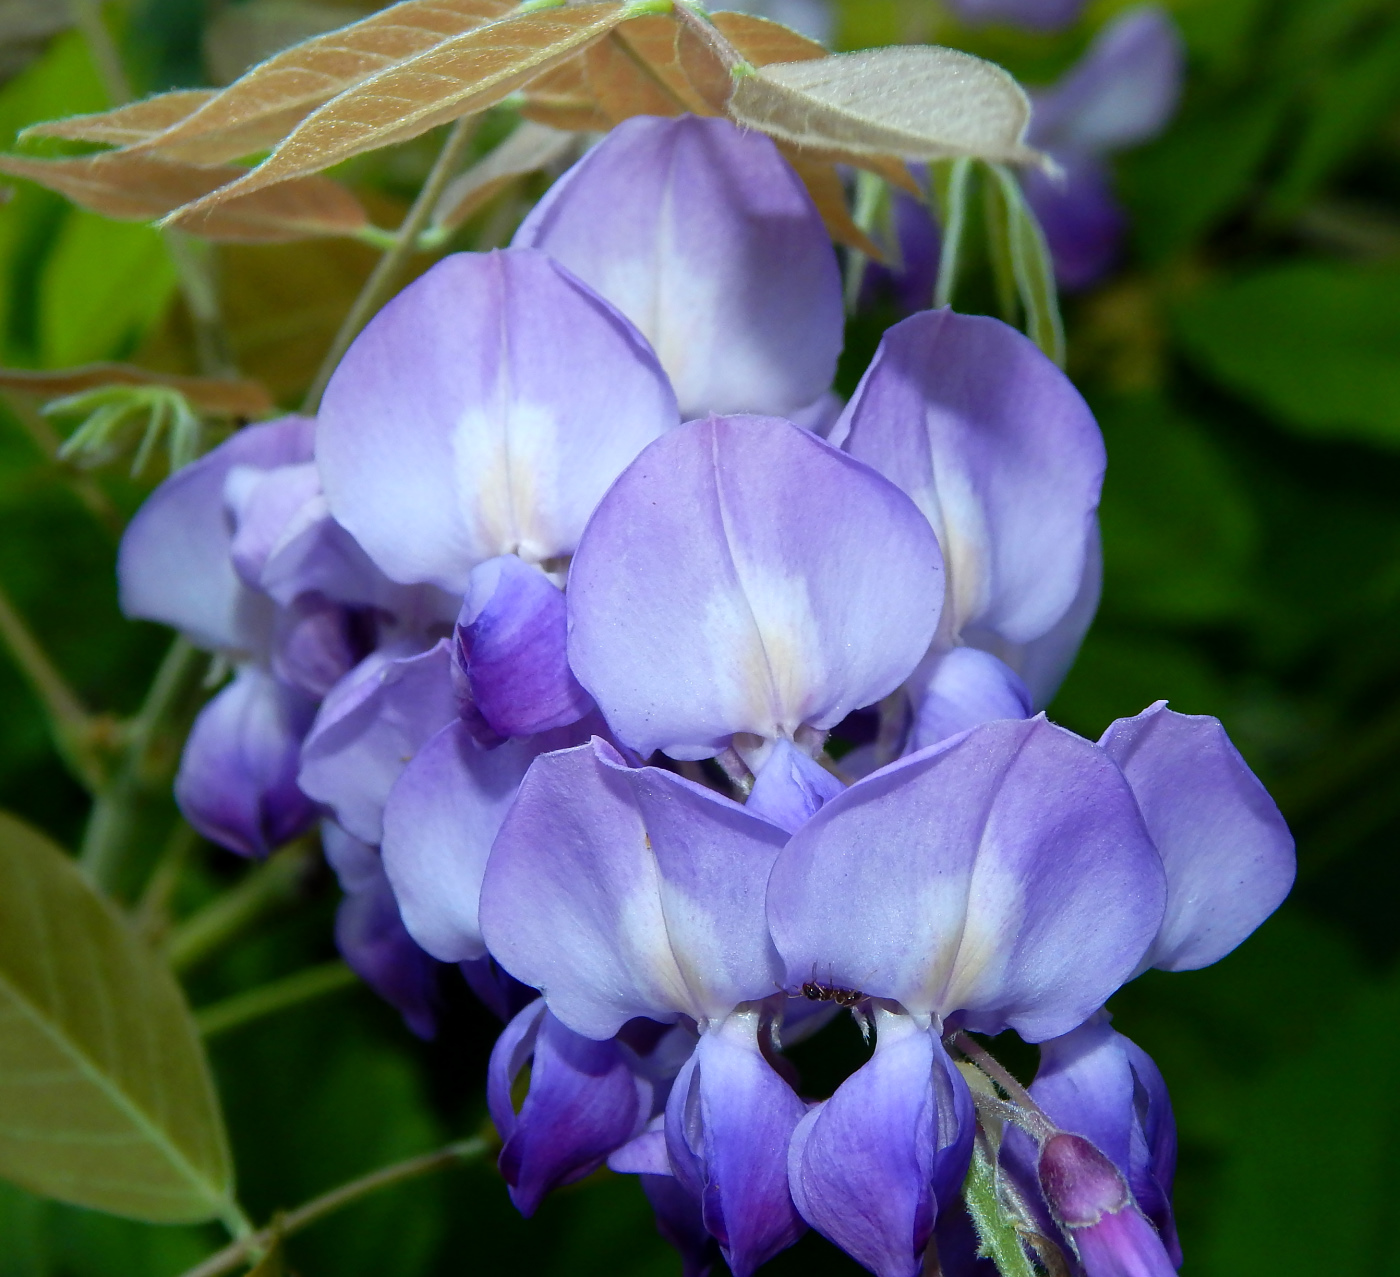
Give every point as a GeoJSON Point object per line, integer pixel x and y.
{"type": "Point", "coordinates": [1004, 459]}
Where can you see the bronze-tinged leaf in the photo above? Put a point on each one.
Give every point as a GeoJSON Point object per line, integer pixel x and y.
{"type": "Point", "coordinates": [527, 150]}
{"type": "Point", "coordinates": [652, 41]}
{"type": "Point", "coordinates": [126, 125]}
{"type": "Point", "coordinates": [705, 57]}
{"type": "Point", "coordinates": [623, 85]}
{"type": "Point", "coordinates": [260, 108]}
{"type": "Point", "coordinates": [457, 77]}
{"type": "Point", "coordinates": [561, 99]}
{"type": "Point", "coordinates": [105, 1095]}
{"type": "Point", "coordinates": [762, 40]}
{"type": "Point", "coordinates": [216, 395]}
{"type": "Point", "coordinates": [136, 186]}
{"type": "Point", "coordinates": [828, 193]}
{"type": "Point", "coordinates": [919, 103]}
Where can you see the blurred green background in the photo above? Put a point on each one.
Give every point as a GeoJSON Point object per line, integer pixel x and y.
{"type": "Point", "coordinates": [1244, 362]}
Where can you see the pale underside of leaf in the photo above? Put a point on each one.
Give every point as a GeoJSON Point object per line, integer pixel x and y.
{"type": "Point", "coordinates": [264, 105]}
{"type": "Point", "coordinates": [126, 125]}
{"type": "Point", "coordinates": [459, 77]}
{"type": "Point", "coordinates": [138, 186]}
{"type": "Point", "coordinates": [105, 1095]}
{"type": "Point", "coordinates": [217, 395]}
{"type": "Point", "coordinates": [917, 102]}
{"type": "Point", "coordinates": [530, 148]}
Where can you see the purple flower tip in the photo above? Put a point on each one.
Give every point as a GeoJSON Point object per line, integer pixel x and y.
{"type": "Point", "coordinates": [1079, 1182]}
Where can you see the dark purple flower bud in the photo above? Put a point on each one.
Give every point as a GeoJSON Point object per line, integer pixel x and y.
{"type": "Point", "coordinates": [1096, 1083]}
{"type": "Point", "coordinates": [1091, 1201]}
{"type": "Point", "coordinates": [237, 782]}
{"type": "Point", "coordinates": [586, 1099]}
{"type": "Point", "coordinates": [371, 937]}
{"type": "Point", "coordinates": [510, 651]}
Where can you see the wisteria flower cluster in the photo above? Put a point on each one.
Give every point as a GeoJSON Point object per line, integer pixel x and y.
{"type": "Point", "coordinates": [549, 614]}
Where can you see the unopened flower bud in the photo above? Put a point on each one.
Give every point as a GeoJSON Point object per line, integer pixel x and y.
{"type": "Point", "coordinates": [1092, 1202]}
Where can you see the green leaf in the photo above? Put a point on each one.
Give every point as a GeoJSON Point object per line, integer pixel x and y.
{"type": "Point", "coordinates": [104, 285]}
{"type": "Point", "coordinates": [1179, 531]}
{"type": "Point", "coordinates": [1314, 344]}
{"type": "Point", "coordinates": [105, 1096]}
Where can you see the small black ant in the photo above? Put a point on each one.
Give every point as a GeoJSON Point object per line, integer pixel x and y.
{"type": "Point", "coordinates": [815, 992]}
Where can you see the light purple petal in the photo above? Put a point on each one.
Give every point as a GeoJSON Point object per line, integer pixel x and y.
{"type": "Point", "coordinates": [1123, 91]}
{"type": "Point", "coordinates": [371, 938]}
{"type": "Point", "coordinates": [439, 823]}
{"type": "Point", "coordinates": [174, 563]}
{"type": "Point", "coordinates": [704, 237]}
{"type": "Point", "coordinates": [728, 1122]}
{"type": "Point", "coordinates": [1043, 662]}
{"type": "Point", "coordinates": [960, 689]}
{"type": "Point", "coordinates": [316, 643]}
{"type": "Point", "coordinates": [743, 576]}
{"type": "Point", "coordinates": [484, 411]}
{"type": "Point", "coordinates": [622, 892]}
{"type": "Point", "coordinates": [1227, 850]}
{"type": "Point", "coordinates": [368, 729]}
{"type": "Point", "coordinates": [1005, 874]}
{"type": "Point", "coordinates": [1123, 1245]}
{"type": "Point", "coordinates": [790, 787]}
{"type": "Point", "coordinates": [584, 1101]}
{"type": "Point", "coordinates": [871, 1167]}
{"type": "Point", "coordinates": [1001, 453]}
{"type": "Point", "coordinates": [1035, 15]}
{"type": "Point", "coordinates": [237, 783]}
{"type": "Point", "coordinates": [511, 639]}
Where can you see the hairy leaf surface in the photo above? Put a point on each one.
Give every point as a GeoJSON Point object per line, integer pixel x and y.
{"type": "Point", "coordinates": [126, 125]}
{"type": "Point", "coordinates": [105, 1095]}
{"type": "Point", "coordinates": [261, 107]}
{"type": "Point", "coordinates": [456, 77]}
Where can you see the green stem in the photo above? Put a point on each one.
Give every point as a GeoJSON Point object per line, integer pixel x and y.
{"type": "Point", "coordinates": [151, 917]}
{"type": "Point", "coordinates": [70, 724]}
{"type": "Point", "coordinates": [950, 183]}
{"type": "Point", "coordinates": [239, 1251]}
{"type": "Point", "coordinates": [265, 888]}
{"type": "Point", "coordinates": [269, 999]}
{"type": "Point", "coordinates": [997, 1234]}
{"type": "Point", "coordinates": [108, 836]}
{"type": "Point", "coordinates": [197, 268]}
{"type": "Point", "coordinates": [386, 272]}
